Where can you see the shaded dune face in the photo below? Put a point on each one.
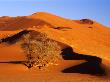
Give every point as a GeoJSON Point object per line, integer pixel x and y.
{"type": "Point", "coordinates": [91, 68]}
{"type": "Point", "coordinates": [16, 23]}
{"type": "Point", "coordinates": [69, 54]}
{"type": "Point", "coordinates": [19, 36]}
{"type": "Point", "coordinates": [93, 64]}
{"type": "Point", "coordinates": [14, 38]}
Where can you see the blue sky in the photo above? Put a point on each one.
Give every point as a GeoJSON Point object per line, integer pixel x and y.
{"type": "Point", "coordinates": [98, 10]}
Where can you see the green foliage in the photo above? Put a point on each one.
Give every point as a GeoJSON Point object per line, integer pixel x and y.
{"type": "Point", "coordinates": [40, 51]}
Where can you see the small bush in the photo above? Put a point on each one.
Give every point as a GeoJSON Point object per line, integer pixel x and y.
{"type": "Point", "coordinates": [86, 21]}
{"type": "Point", "coordinates": [40, 51]}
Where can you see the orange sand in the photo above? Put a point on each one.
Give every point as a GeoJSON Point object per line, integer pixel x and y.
{"type": "Point", "coordinates": [91, 41]}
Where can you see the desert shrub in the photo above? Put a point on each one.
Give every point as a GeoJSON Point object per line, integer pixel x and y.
{"type": "Point", "coordinates": [86, 21]}
{"type": "Point", "coordinates": [40, 51]}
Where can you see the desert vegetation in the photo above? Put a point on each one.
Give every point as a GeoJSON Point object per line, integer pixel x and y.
{"type": "Point", "coordinates": [40, 51]}
{"type": "Point", "coordinates": [86, 21]}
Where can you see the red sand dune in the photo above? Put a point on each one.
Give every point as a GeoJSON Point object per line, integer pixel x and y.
{"type": "Point", "coordinates": [90, 39]}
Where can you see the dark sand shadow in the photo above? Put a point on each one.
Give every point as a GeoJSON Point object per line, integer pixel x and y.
{"type": "Point", "coordinates": [92, 66]}
{"type": "Point", "coordinates": [14, 38]}
{"type": "Point", "coordinates": [25, 63]}
{"type": "Point", "coordinates": [87, 68]}
{"type": "Point", "coordinates": [14, 62]}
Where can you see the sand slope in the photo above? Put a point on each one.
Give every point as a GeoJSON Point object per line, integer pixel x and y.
{"type": "Point", "coordinates": [90, 39]}
{"type": "Point", "coordinates": [93, 41]}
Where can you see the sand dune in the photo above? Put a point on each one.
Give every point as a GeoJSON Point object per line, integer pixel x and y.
{"type": "Point", "coordinates": [85, 38]}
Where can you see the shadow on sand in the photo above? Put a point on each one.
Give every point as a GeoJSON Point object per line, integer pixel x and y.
{"type": "Point", "coordinates": [14, 38]}
{"type": "Point", "coordinates": [14, 62]}
{"type": "Point", "coordinates": [92, 66]}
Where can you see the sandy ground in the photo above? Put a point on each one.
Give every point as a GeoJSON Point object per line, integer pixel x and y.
{"type": "Point", "coordinates": [19, 73]}
{"type": "Point", "coordinates": [11, 53]}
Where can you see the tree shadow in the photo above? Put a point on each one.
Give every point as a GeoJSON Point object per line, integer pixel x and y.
{"type": "Point", "coordinates": [14, 62]}
{"type": "Point", "coordinates": [92, 66]}
{"type": "Point", "coordinates": [25, 63]}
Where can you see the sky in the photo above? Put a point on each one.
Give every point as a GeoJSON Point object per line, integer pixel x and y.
{"type": "Point", "coordinates": [98, 10]}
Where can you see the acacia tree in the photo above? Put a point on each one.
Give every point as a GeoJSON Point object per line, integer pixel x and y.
{"type": "Point", "coordinates": [40, 51]}
{"type": "Point", "coordinates": [27, 46]}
